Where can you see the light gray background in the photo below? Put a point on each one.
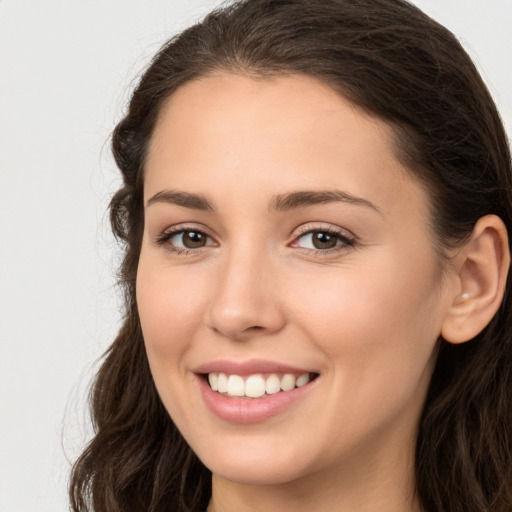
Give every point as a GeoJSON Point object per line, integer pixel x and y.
{"type": "Point", "coordinates": [66, 69]}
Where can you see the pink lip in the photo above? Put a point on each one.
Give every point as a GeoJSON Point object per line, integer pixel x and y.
{"type": "Point", "coordinates": [249, 410]}
{"type": "Point", "coordinates": [248, 367]}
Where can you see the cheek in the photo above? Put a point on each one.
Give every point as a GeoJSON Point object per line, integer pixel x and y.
{"type": "Point", "coordinates": [170, 308]}
{"type": "Point", "coordinates": [170, 305]}
{"type": "Point", "coordinates": [337, 304]}
{"type": "Point", "coordinates": [372, 319]}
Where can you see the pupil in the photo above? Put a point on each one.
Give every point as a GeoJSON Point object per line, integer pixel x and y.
{"type": "Point", "coordinates": [324, 241]}
{"type": "Point", "coordinates": [192, 240]}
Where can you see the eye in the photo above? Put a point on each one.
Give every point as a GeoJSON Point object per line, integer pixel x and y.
{"type": "Point", "coordinates": [322, 240]}
{"type": "Point", "coordinates": [181, 240]}
{"type": "Point", "coordinates": [189, 239]}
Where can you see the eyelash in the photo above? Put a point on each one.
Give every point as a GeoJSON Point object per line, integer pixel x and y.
{"type": "Point", "coordinates": [165, 237]}
{"type": "Point", "coordinates": [345, 241]}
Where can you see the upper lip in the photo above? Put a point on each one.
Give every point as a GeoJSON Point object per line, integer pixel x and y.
{"type": "Point", "coordinates": [248, 367]}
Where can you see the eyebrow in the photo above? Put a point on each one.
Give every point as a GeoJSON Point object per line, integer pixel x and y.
{"type": "Point", "coordinates": [279, 203]}
{"type": "Point", "coordinates": [301, 199]}
{"type": "Point", "coordinates": [185, 199]}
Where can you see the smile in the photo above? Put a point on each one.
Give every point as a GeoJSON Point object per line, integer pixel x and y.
{"type": "Point", "coordinates": [256, 385]}
{"type": "Point", "coordinates": [253, 391]}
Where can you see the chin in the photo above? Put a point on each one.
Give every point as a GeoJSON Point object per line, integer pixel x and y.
{"type": "Point", "coordinates": [253, 462]}
{"type": "Point", "coordinates": [261, 473]}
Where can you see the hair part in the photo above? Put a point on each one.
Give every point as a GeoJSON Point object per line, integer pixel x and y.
{"type": "Point", "coordinates": [390, 59]}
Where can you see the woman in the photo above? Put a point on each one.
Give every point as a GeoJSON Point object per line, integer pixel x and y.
{"type": "Point", "coordinates": [315, 209]}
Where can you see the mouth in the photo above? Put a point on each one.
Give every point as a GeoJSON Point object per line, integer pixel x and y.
{"type": "Point", "coordinates": [248, 392]}
{"type": "Point", "coordinates": [256, 385]}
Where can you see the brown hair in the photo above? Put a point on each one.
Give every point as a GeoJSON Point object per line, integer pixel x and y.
{"type": "Point", "coordinates": [393, 61]}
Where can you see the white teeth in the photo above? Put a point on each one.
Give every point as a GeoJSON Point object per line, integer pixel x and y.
{"type": "Point", "coordinates": [236, 386]}
{"type": "Point", "coordinates": [272, 385]}
{"type": "Point", "coordinates": [302, 380]}
{"type": "Point", "coordinates": [212, 379]}
{"type": "Point", "coordinates": [288, 382]}
{"type": "Point", "coordinates": [222, 383]}
{"type": "Point", "coordinates": [255, 386]}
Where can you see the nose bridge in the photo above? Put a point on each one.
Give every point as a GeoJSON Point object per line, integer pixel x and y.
{"type": "Point", "coordinates": [244, 303]}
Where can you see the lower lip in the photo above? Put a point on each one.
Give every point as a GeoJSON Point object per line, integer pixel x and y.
{"type": "Point", "coordinates": [250, 410]}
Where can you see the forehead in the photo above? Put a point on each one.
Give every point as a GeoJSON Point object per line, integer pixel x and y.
{"type": "Point", "coordinates": [286, 109]}
{"type": "Point", "coordinates": [224, 132]}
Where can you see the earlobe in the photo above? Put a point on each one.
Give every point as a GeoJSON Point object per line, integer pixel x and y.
{"type": "Point", "coordinates": [482, 266]}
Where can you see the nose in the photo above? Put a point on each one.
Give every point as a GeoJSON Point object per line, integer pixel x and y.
{"type": "Point", "coordinates": [245, 303]}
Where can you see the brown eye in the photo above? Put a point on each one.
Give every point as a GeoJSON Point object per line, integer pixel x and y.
{"type": "Point", "coordinates": [322, 240]}
{"type": "Point", "coordinates": [190, 239]}
{"type": "Point", "coordinates": [185, 241]}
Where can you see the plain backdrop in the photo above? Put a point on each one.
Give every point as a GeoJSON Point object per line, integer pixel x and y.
{"type": "Point", "coordinates": [66, 70]}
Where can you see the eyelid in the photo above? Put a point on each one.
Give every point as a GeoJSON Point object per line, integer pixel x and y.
{"type": "Point", "coordinates": [347, 238]}
{"type": "Point", "coordinates": [164, 236]}
{"type": "Point", "coordinates": [330, 228]}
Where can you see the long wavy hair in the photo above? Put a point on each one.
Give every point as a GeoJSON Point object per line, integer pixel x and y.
{"type": "Point", "coordinates": [392, 60]}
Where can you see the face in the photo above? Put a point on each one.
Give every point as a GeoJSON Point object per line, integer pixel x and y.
{"type": "Point", "coordinates": [286, 256]}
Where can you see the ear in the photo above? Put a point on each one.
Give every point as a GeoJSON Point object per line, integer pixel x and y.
{"type": "Point", "coordinates": [481, 265]}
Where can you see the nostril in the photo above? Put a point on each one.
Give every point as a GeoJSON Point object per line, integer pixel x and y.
{"type": "Point", "coordinates": [238, 333]}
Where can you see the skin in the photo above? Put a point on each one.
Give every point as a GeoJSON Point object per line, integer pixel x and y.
{"type": "Point", "coordinates": [365, 316]}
